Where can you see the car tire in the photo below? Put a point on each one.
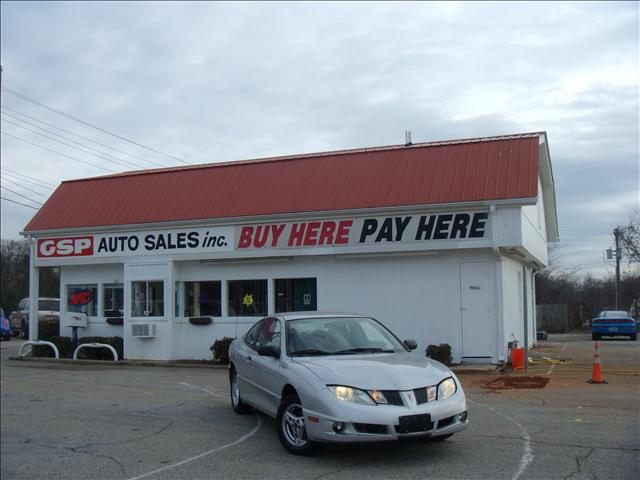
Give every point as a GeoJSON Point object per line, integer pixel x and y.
{"type": "Point", "coordinates": [440, 438]}
{"type": "Point", "coordinates": [291, 428]}
{"type": "Point", "coordinates": [238, 405]}
{"type": "Point", "coordinates": [25, 330]}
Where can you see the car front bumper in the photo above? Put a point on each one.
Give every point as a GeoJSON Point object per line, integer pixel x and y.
{"type": "Point", "coordinates": [367, 423]}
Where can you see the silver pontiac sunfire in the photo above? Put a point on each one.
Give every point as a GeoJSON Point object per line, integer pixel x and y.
{"type": "Point", "coordinates": [341, 378]}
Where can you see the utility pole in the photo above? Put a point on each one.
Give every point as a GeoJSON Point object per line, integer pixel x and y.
{"type": "Point", "coordinates": [616, 234]}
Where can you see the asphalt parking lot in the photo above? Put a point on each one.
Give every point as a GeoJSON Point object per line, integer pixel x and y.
{"type": "Point", "coordinates": [123, 422]}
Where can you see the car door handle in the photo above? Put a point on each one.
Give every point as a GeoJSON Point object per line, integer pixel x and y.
{"type": "Point", "coordinates": [248, 358]}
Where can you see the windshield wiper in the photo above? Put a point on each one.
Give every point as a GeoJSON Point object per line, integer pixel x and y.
{"type": "Point", "coordinates": [363, 350]}
{"type": "Point", "coordinates": [310, 351]}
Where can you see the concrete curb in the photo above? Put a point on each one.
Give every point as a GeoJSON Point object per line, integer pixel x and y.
{"type": "Point", "coordinates": [476, 369]}
{"type": "Point", "coordinates": [458, 369]}
{"type": "Point", "coordinates": [121, 363]}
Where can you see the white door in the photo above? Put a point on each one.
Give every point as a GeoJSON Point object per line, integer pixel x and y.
{"type": "Point", "coordinates": [478, 323]}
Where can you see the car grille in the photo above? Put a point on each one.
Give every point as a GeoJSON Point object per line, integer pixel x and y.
{"type": "Point", "coordinates": [370, 428]}
{"type": "Point", "coordinates": [393, 397]}
{"type": "Point", "coordinates": [445, 422]}
{"type": "Point", "coordinates": [421, 395]}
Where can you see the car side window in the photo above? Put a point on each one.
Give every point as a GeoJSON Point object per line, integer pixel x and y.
{"type": "Point", "coordinates": [24, 304]}
{"type": "Point", "coordinates": [269, 334]}
{"type": "Point", "coordinates": [250, 337]}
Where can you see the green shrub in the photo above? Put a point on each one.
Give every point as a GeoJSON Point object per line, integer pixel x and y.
{"type": "Point", "coordinates": [441, 353]}
{"type": "Point", "coordinates": [101, 353]}
{"type": "Point", "coordinates": [63, 344]}
{"type": "Point", "coordinates": [220, 350]}
{"type": "Point", "coordinates": [49, 328]}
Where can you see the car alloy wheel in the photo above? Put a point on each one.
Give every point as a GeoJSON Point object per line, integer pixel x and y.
{"type": "Point", "coordinates": [292, 431]}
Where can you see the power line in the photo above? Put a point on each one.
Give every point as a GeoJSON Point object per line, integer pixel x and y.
{"type": "Point", "coordinates": [19, 194]}
{"type": "Point", "coordinates": [74, 134]}
{"type": "Point", "coordinates": [19, 203]}
{"type": "Point", "coordinates": [58, 153]}
{"type": "Point", "coordinates": [40, 104]}
{"type": "Point", "coordinates": [24, 180]}
{"type": "Point", "coordinates": [112, 159]}
{"type": "Point", "coordinates": [22, 186]}
{"type": "Point", "coordinates": [34, 180]}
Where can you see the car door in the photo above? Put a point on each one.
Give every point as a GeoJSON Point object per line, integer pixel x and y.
{"type": "Point", "coordinates": [265, 373]}
{"type": "Point", "coordinates": [243, 364]}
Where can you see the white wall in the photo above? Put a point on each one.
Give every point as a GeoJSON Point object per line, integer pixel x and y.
{"type": "Point", "coordinates": [513, 306]}
{"type": "Point", "coordinates": [417, 296]}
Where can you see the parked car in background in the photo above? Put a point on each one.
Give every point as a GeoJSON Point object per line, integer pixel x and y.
{"type": "Point", "coordinates": [48, 309]}
{"type": "Point", "coordinates": [5, 328]}
{"type": "Point", "coordinates": [613, 323]}
{"type": "Point", "coordinates": [342, 378]}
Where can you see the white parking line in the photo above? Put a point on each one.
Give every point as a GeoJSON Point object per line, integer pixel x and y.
{"type": "Point", "coordinates": [204, 390]}
{"type": "Point", "coordinates": [553, 364]}
{"type": "Point", "coordinates": [208, 452]}
{"type": "Point", "coordinates": [527, 452]}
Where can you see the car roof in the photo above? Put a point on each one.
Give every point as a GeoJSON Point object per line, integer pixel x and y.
{"type": "Point", "coordinates": [308, 315]}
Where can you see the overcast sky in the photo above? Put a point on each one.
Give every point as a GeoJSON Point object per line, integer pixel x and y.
{"type": "Point", "coordinates": [209, 82]}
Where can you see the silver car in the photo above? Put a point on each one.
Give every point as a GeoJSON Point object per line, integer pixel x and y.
{"type": "Point", "coordinates": [341, 378]}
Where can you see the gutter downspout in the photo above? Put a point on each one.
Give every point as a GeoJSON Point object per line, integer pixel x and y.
{"type": "Point", "coordinates": [525, 312]}
{"type": "Point", "coordinates": [500, 353]}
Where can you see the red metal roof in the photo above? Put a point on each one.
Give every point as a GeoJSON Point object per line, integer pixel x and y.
{"type": "Point", "coordinates": [485, 169]}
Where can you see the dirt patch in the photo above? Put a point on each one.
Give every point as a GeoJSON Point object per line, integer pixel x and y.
{"type": "Point", "coordinates": [508, 383]}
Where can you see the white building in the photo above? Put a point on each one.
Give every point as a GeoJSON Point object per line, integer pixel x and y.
{"type": "Point", "coordinates": [440, 241]}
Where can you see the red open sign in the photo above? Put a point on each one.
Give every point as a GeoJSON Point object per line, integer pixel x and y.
{"type": "Point", "coordinates": [81, 298]}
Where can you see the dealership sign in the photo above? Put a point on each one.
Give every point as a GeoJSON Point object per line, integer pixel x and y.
{"type": "Point", "coordinates": [139, 243]}
{"type": "Point", "coordinates": [364, 231]}
{"type": "Point", "coordinates": [355, 231]}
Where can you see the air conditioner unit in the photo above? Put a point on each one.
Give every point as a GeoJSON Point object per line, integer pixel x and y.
{"type": "Point", "coordinates": [143, 330]}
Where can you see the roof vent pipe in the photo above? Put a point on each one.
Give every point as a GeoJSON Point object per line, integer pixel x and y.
{"type": "Point", "coordinates": [407, 138]}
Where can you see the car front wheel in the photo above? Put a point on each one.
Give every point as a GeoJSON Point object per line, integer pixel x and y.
{"type": "Point", "coordinates": [238, 405]}
{"type": "Point", "coordinates": [291, 426]}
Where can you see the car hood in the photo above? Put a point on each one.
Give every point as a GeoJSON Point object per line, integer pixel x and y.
{"type": "Point", "coordinates": [397, 371]}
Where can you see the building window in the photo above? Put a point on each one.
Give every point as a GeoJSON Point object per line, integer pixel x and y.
{"type": "Point", "coordinates": [296, 295]}
{"type": "Point", "coordinates": [113, 300]}
{"type": "Point", "coordinates": [147, 299]}
{"type": "Point", "coordinates": [247, 298]}
{"type": "Point", "coordinates": [202, 299]}
{"type": "Point", "coordinates": [82, 298]}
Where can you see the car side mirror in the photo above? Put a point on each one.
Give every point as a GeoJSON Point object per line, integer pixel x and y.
{"type": "Point", "coordinates": [269, 351]}
{"type": "Point", "coordinates": [411, 344]}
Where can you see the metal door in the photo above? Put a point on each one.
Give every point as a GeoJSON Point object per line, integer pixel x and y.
{"type": "Point", "coordinates": [478, 323]}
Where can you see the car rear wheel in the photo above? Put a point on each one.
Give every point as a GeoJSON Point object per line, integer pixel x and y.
{"type": "Point", "coordinates": [238, 405]}
{"type": "Point", "coordinates": [291, 427]}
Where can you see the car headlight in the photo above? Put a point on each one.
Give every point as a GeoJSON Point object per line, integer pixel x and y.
{"type": "Point", "coordinates": [353, 395]}
{"type": "Point", "coordinates": [446, 388]}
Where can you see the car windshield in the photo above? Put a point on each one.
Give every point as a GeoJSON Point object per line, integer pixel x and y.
{"type": "Point", "coordinates": [339, 336]}
{"type": "Point", "coordinates": [613, 313]}
{"type": "Point", "coordinates": [49, 305]}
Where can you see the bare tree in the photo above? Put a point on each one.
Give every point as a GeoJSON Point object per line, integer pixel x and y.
{"type": "Point", "coordinates": [630, 237]}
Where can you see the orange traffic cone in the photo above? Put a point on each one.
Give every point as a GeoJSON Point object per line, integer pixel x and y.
{"type": "Point", "coordinates": [596, 374]}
